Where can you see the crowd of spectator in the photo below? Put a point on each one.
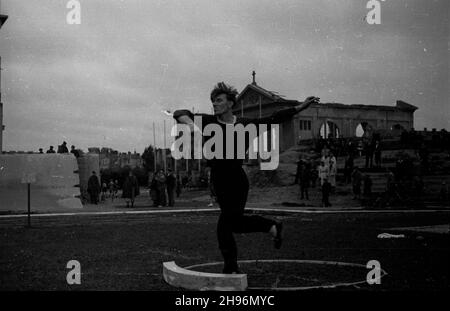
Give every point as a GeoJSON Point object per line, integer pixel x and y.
{"type": "Point", "coordinates": [164, 187]}
{"type": "Point", "coordinates": [404, 182]}
{"type": "Point", "coordinates": [62, 149]}
{"type": "Point", "coordinates": [432, 139]}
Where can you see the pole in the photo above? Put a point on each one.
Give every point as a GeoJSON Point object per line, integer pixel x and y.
{"type": "Point", "coordinates": [1, 109]}
{"type": "Point", "coordinates": [164, 153]}
{"type": "Point", "coordinates": [0, 78]}
{"type": "Point", "coordinates": [175, 160]}
{"type": "Point", "coordinates": [154, 148]}
{"type": "Point", "coordinates": [187, 160]}
{"type": "Point", "coordinates": [29, 207]}
{"type": "Point", "coordinates": [260, 135]}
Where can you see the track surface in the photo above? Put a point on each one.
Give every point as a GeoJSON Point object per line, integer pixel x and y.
{"type": "Point", "coordinates": [125, 252]}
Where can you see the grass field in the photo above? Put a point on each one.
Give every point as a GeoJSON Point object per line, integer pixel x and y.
{"type": "Point", "coordinates": [126, 252]}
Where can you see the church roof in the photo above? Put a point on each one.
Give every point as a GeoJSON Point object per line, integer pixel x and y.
{"type": "Point", "coordinates": [276, 99]}
{"type": "Point", "coordinates": [3, 19]}
{"type": "Point", "coordinates": [270, 94]}
{"type": "Point", "coordinates": [405, 106]}
{"type": "Point", "coordinates": [401, 105]}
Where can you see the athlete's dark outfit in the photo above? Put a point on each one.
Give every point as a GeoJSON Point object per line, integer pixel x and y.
{"type": "Point", "coordinates": [231, 186]}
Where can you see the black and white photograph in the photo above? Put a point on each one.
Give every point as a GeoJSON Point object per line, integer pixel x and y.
{"type": "Point", "coordinates": [228, 153]}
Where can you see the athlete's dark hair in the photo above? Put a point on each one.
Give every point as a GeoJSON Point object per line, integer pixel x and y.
{"type": "Point", "coordinates": [222, 88]}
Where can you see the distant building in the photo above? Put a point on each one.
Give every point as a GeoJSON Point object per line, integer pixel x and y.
{"type": "Point", "coordinates": [110, 158]}
{"type": "Point", "coordinates": [326, 120]}
{"type": "Point", "coordinates": [130, 159]}
{"type": "Point", "coordinates": [94, 150]}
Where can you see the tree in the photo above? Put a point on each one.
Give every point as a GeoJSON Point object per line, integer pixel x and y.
{"type": "Point", "coordinates": [149, 157]}
{"type": "Point", "coordinates": [141, 175]}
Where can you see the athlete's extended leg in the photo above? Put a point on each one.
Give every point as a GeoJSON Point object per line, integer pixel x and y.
{"type": "Point", "coordinates": [232, 200]}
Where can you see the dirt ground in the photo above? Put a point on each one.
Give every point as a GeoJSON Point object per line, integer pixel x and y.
{"type": "Point", "coordinates": [126, 252]}
{"type": "Point", "coordinates": [266, 196]}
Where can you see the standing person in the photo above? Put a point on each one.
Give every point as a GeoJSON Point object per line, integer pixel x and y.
{"type": "Point", "coordinates": [41, 151]}
{"type": "Point", "coordinates": [377, 152]}
{"type": "Point", "coordinates": [323, 172]}
{"type": "Point", "coordinates": [356, 181]}
{"type": "Point", "coordinates": [104, 190]}
{"type": "Point", "coordinates": [154, 190]}
{"type": "Point", "coordinates": [326, 190]}
{"type": "Point", "coordinates": [360, 148]}
{"type": "Point", "coordinates": [130, 189]}
{"type": "Point", "coordinates": [303, 178]}
{"type": "Point", "coordinates": [228, 177]}
{"type": "Point", "coordinates": [111, 189]}
{"type": "Point", "coordinates": [326, 157]}
{"type": "Point", "coordinates": [390, 184]}
{"type": "Point", "coordinates": [368, 151]}
{"type": "Point", "coordinates": [74, 151]}
{"type": "Point", "coordinates": [94, 188]}
{"type": "Point", "coordinates": [160, 184]}
{"type": "Point", "coordinates": [178, 189]}
{"type": "Point", "coordinates": [299, 167]}
{"type": "Point", "coordinates": [171, 182]}
{"type": "Point", "coordinates": [152, 187]}
{"type": "Point", "coordinates": [116, 187]}
{"type": "Point", "coordinates": [63, 148]}
{"type": "Point", "coordinates": [51, 150]}
{"type": "Point", "coordinates": [332, 171]}
{"type": "Point", "coordinates": [348, 169]}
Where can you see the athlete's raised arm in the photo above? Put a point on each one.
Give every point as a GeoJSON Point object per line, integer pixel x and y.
{"type": "Point", "coordinates": [283, 115]}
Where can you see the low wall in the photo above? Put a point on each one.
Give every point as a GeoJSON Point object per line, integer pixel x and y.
{"type": "Point", "coordinates": [54, 182]}
{"type": "Point", "coordinates": [86, 164]}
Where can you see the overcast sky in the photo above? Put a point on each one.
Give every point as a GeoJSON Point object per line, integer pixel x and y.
{"type": "Point", "coordinates": [104, 82]}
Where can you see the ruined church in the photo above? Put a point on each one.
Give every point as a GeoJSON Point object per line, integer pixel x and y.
{"type": "Point", "coordinates": [326, 120]}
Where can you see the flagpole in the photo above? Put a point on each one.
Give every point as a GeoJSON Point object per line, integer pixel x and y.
{"type": "Point", "coordinates": [164, 153]}
{"type": "Point", "coordinates": [193, 162]}
{"type": "Point", "coordinates": [154, 148]}
{"type": "Point", "coordinates": [175, 160]}
{"type": "Point", "coordinates": [260, 145]}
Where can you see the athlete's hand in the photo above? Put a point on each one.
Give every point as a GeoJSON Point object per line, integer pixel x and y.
{"type": "Point", "coordinates": [185, 120]}
{"type": "Point", "coordinates": [188, 121]}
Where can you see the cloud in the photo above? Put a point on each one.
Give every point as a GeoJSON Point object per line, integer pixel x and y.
{"type": "Point", "coordinates": [104, 82]}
